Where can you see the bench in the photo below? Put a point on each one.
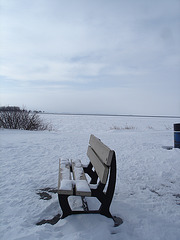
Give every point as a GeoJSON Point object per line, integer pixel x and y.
{"type": "Point", "coordinates": [73, 180]}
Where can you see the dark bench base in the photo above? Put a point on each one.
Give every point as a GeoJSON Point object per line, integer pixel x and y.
{"type": "Point", "coordinates": [117, 220]}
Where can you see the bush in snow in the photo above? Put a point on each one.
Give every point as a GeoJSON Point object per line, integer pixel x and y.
{"type": "Point", "coordinates": [21, 119]}
{"type": "Point", "coordinates": [126, 127]}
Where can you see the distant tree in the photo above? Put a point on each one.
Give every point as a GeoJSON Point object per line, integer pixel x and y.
{"type": "Point", "coordinates": [16, 118]}
{"type": "Point", "coordinates": [10, 108]}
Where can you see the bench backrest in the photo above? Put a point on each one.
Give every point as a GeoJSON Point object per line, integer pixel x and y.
{"type": "Point", "coordinates": [100, 156]}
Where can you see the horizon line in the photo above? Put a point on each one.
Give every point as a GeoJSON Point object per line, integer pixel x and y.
{"type": "Point", "coordinates": [110, 115]}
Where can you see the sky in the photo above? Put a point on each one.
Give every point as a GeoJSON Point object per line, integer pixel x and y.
{"type": "Point", "coordinates": [91, 56]}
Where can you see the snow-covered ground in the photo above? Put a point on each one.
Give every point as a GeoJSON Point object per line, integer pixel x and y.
{"type": "Point", "coordinates": [147, 195]}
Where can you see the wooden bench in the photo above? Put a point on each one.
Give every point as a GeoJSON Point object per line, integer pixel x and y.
{"type": "Point", "coordinates": [102, 174]}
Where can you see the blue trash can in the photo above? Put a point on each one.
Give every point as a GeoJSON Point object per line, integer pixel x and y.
{"type": "Point", "coordinates": [177, 135]}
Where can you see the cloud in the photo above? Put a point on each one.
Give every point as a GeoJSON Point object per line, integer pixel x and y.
{"type": "Point", "coordinates": [90, 45]}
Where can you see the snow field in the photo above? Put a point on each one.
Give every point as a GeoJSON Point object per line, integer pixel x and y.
{"type": "Point", "coordinates": [147, 194]}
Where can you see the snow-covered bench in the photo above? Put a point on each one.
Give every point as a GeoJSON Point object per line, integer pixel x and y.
{"type": "Point", "coordinates": [102, 174]}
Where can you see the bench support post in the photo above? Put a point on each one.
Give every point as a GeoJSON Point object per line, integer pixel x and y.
{"type": "Point", "coordinates": [106, 198]}
{"type": "Point", "coordinates": [112, 181]}
{"type": "Point", "coordinates": [91, 173]}
{"type": "Point", "coordinates": [63, 201]}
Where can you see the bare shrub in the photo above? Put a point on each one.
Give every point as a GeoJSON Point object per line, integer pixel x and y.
{"type": "Point", "coordinates": [115, 128]}
{"type": "Point", "coordinates": [168, 127]}
{"type": "Point", "coordinates": [21, 119]}
{"type": "Point", "coordinates": [126, 127]}
{"type": "Point", "coordinates": [150, 127]}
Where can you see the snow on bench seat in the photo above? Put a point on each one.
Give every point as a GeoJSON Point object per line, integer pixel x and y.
{"type": "Point", "coordinates": [65, 185]}
{"type": "Point", "coordinates": [81, 185]}
{"type": "Point", "coordinates": [75, 183]}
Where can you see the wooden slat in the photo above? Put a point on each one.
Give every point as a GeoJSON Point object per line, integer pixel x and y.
{"type": "Point", "coordinates": [81, 185]}
{"type": "Point", "coordinates": [101, 169]}
{"type": "Point", "coordinates": [65, 184]}
{"type": "Point", "coordinates": [66, 187]}
{"type": "Point", "coordinates": [104, 152]}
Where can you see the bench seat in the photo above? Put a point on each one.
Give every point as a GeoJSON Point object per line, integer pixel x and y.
{"type": "Point", "coordinates": [72, 179]}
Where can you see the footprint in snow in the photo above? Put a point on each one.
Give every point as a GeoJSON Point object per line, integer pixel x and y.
{"type": "Point", "coordinates": [45, 194]}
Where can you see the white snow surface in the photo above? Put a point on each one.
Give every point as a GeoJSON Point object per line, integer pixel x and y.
{"type": "Point", "coordinates": [147, 195]}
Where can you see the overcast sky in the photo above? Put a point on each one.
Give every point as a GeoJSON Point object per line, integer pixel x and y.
{"type": "Point", "coordinates": [91, 56]}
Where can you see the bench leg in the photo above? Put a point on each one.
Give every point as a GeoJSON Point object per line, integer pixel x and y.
{"type": "Point", "coordinates": [63, 201]}
{"type": "Point", "coordinates": [104, 200]}
{"type": "Point", "coordinates": [104, 210]}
